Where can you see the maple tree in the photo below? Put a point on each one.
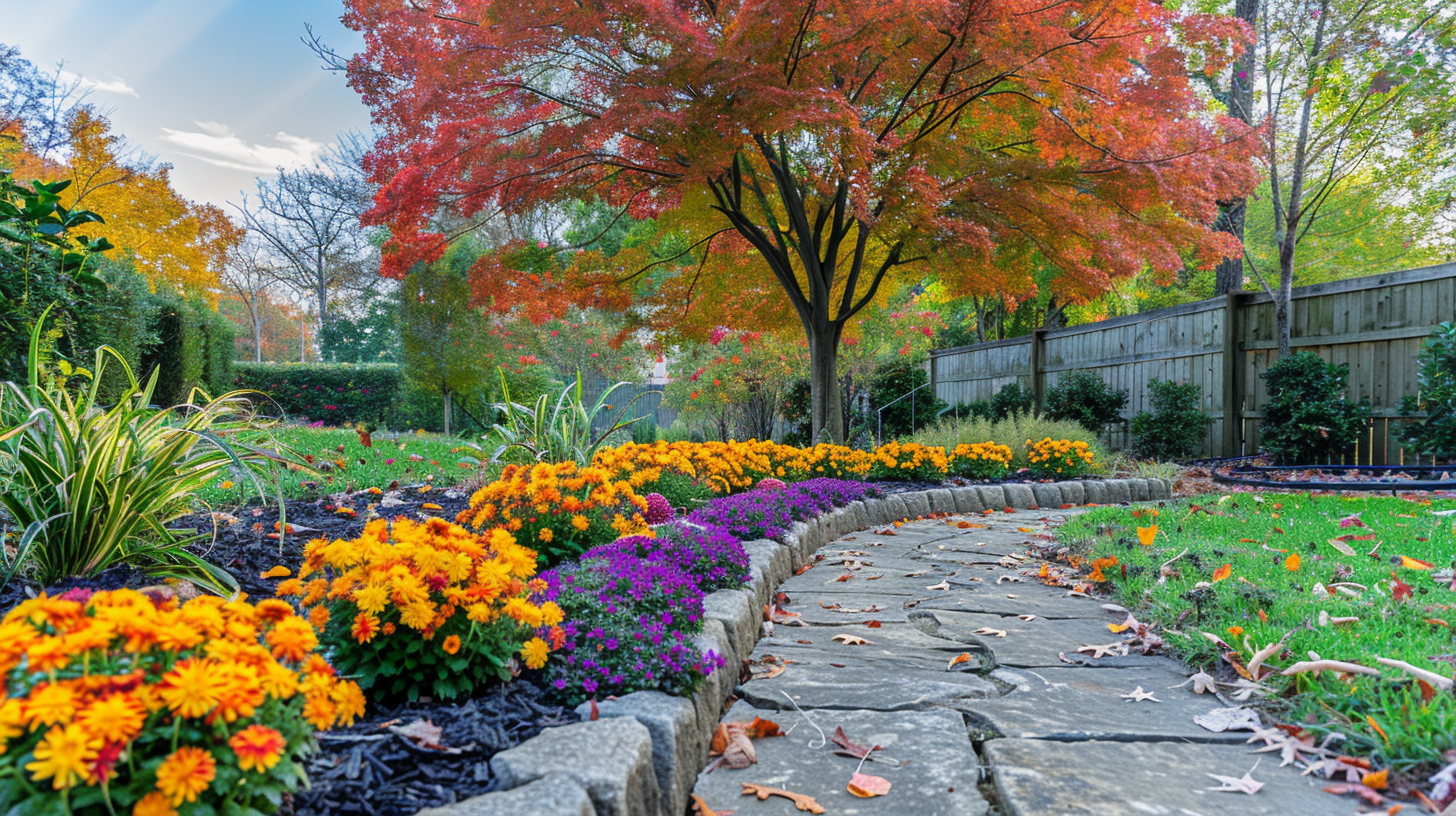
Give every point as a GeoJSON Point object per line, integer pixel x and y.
{"type": "Point", "coordinates": [810, 151]}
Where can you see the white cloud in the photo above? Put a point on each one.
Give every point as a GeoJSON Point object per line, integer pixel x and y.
{"type": "Point", "coordinates": [216, 144]}
{"type": "Point", "coordinates": [115, 85]}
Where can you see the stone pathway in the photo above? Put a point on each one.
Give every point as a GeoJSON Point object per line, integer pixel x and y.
{"type": "Point", "coordinates": [1026, 726]}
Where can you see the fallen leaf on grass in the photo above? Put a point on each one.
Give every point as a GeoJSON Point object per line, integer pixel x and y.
{"type": "Point", "coordinates": [1292, 562]}
{"type": "Point", "coordinates": [1223, 572]}
{"type": "Point", "coordinates": [850, 640]}
{"type": "Point", "coordinates": [1146, 535]}
{"type": "Point", "coordinates": [864, 786]}
{"type": "Point", "coordinates": [763, 792]}
{"type": "Point", "coordinates": [1415, 563]}
{"type": "Point", "coordinates": [1342, 547]}
{"type": "Point", "coordinates": [1244, 784]}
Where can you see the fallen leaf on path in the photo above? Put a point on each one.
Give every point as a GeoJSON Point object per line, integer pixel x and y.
{"type": "Point", "coordinates": [986, 630]}
{"type": "Point", "coordinates": [873, 624]}
{"type": "Point", "coordinates": [774, 613]}
{"type": "Point", "coordinates": [1375, 780]}
{"type": "Point", "coordinates": [1245, 784]}
{"type": "Point", "coordinates": [1137, 695]}
{"type": "Point", "coordinates": [700, 808]}
{"type": "Point", "coordinates": [1220, 720]}
{"type": "Point", "coordinates": [848, 747]}
{"type": "Point", "coordinates": [1106, 650]}
{"type": "Point", "coordinates": [850, 640]}
{"type": "Point", "coordinates": [963, 657]}
{"type": "Point", "coordinates": [943, 585]}
{"type": "Point", "coordinates": [763, 792]}
{"type": "Point", "coordinates": [864, 786]}
{"type": "Point", "coordinates": [1027, 618]}
{"type": "Point", "coordinates": [737, 754]}
{"type": "Point", "coordinates": [766, 668]}
{"type": "Point", "coordinates": [1345, 788]}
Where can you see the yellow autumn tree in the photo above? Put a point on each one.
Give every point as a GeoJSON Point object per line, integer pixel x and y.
{"type": "Point", "coordinates": [176, 242]}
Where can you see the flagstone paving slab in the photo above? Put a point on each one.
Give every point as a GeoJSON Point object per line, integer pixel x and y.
{"type": "Point", "coordinates": [1053, 721]}
{"type": "Point", "coordinates": [936, 773]}
{"type": "Point", "coordinates": [1041, 778]}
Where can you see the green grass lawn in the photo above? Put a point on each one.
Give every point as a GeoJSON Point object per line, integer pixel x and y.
{"type": "Point", "coordinates": [1402, 608]}
{"type": "Point", "coordinates": [343, 463]}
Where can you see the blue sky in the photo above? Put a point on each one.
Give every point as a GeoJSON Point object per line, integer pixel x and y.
{"type": "Point", "coordinates": [222, 89]}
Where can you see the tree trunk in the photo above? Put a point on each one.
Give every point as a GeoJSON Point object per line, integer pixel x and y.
{"type": "Point", "coordinates": [257, 341]}
{"type": "Point", "coordinates": [1286, 288]}
{"type": "Point", "coordinates": [1229, 277]}
{"type": "Point", "coordinates": [447, 412]}
{"type": "Point", "coordinates": [825, 411]}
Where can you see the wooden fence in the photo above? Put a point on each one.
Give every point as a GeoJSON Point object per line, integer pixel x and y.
{"type": "Point", "coordinates": [1375, 324]}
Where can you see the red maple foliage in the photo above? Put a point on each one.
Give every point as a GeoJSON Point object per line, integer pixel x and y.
{"type": "Point", "coordinates": [808, 150]}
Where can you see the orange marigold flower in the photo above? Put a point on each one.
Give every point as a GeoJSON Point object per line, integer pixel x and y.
{"type": "Point", "coordinates": [366, 626]}
{"type": "Point", "coordinates": [534, 652]}
{"type": "Point", "coordinates": [451, 644]}
{"type": "Point", "coordinates": [50, 704]}
{"type": "Point", "coordinates": [319, 617]}
{"type": "Point", "coordinates": [292, 639]}
{"type": "Point", "coordinates": [64, 756]}
{"type": "Point", "coordinates": [117, 718]}
{"type": "Point", "coordinates": [258, 747]}
{"type": "Point", "coordinates": [545, 534]}
{"type": "Point", "coordinates": [192, 688]}
{"type": "Point", "coordinates": [153, 804]}
{"type": "Point", "coordinates": [185, 774]}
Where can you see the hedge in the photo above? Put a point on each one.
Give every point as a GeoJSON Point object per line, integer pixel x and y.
{"type": "Point", "coordinates": [335, 393]}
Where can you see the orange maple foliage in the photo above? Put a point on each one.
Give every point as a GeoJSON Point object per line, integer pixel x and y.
{"type": "Point", "coordinates": [807, 152]}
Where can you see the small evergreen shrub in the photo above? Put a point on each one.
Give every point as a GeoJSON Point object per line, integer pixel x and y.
{"type": "Point", "coordinates": [1436, 436]}
{"type": "Point", "coordinates": [892, 381]}
{"type": "Point", "coordinates": [1308, 418]}
{"type": "Point", "coordinates": [1011, 399]}
{"type": "Point", "coordinates": [1174, 428]}
{"type": "Point", "coordinates": [1082, 397]}
{"type": "Point", "coordinates": [644, 430]}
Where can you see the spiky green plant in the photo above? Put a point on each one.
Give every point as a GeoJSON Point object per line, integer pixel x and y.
{"type": "Point", "coordinates": [564, 432]}
{"type": "Point", "coordinates": [88, 486]}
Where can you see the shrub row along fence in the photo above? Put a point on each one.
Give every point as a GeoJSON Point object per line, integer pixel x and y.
{"type": "Point", "coordinates": [1374, 324]}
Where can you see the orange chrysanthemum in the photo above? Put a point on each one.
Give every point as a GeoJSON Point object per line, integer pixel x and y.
{"type": "Point", "coordinates": [258, 747]}
{"type": "Point", "coordinates": [184, 775]}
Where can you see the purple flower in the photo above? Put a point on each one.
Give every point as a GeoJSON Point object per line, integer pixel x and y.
{"type": "Point", "coordinates": [659, 511]}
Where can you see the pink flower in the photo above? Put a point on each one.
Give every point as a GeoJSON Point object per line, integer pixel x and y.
{"type": "Point", "coordinates": [388, 461]}
{"type": "Point", "coordinates": [540, 244]}
{"type": "Point", "coordinates": [1352, 521]}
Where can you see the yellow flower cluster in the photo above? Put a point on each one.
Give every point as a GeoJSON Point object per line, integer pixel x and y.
{"type": "Point", "coordinates": [559, 508]}
{"type": "Point", "coordinates": [1059, 457]}
{"type": "Point", "coordinates": [909, 461]}
{"type": "Point", "coordinates": [730, 467]}
{"type": "Point", "coordinates": [432, 577]}
{"type": "Point", "coordinates": [86, 674]}
{"type": "Point", "coordinates": [979, 460]}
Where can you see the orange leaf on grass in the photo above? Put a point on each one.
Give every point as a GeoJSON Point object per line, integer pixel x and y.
{"type": "Point", "coordinates": [1292, 562]}
{"type": "Point", "coordinates": [864, 786]}
{"type": "Point", "coordinates": [1223, 572]}
{"type": "Point", "coordinates": [1415, 563]}
{"type": "Point", "coordinates": [1146, 535]}
{"type": "Point", "coordinates": [1097, 566]}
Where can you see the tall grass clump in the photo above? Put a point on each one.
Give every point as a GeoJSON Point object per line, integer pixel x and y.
{"type": "Point", "coordinates": [1013, 431]}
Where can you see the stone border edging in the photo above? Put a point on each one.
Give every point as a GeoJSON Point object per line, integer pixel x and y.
{"type": "Point", "coordinates": [643, 754]}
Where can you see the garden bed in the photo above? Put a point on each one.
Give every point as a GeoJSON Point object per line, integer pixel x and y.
{"type": "Point", "coordinates": [1295, 578]}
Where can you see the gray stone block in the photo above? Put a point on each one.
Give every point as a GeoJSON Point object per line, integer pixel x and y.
{"type": "Point", "coordinates": [917, 504]}
{"type": "Point", "coordinates": [551, 795]}
{"type": "Point", "coordinates": [880, 512]}
{"type": "Point", "coordinates": [1048, 496]}
{"type": "Point", "coordinates": [898, 508]}
{"type": "Point", "coordinates": [718, 685]}
{"type": "Point", "coordinates": [1019, 496]}
{"type": "Point", "coordinates": [773, 556]}
{"type": "Point", "coordinates": [1072, 493]}
{"type": "Point", "coordinates": [1162, 488]}
{"type": "Point", "coordinates": [679, 740]}
{"type": "Point", "coordinates": [758, 586]}
{"type": "Point", "coordinates": [993, 497]}
{"type": "Point", "coordinates": [732, 608]}
{"type": "Point", "coordinates": [1139, 489]}
{"type": "Point", "coordinates": [941, 501]}
{"type": "Point", "coordinates": [611, 759]}
{"type": "Point", "coordinates": [1096, 490]}
{"type": "Point", "coordinates": [1118, 491]}
{"type": "Point", "coordinates": [968, 500]}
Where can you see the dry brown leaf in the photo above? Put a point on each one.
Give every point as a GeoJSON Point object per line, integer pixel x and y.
{"type": "Point", "coordinates": [1245, 784]}
{"type": "Point", "coordinates": [848, 747]}
{"type": "Point", "coordinates": [763, 792]}
{"type": "Point", "coordinates": [850, 640]}
{"type": "Point", "coordinates": [700, 808]}
{"type": "Point", "coordinates": [865, 786]}
{"type": "Point", "coordinates": [425, 734]}
{"type": "Point", "coordinates": [986, 630]}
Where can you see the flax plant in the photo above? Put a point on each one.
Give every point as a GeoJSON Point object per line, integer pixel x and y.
{"type": "Point", "coordinates": [87, 486]}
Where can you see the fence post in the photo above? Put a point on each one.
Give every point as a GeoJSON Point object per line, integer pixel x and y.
{"type": "Point", "coordinates": [1233, 366]}
{"type": "Point", "coordinates": [1038, 382]}
{"type": "Point", "coordinates": [933, 376]}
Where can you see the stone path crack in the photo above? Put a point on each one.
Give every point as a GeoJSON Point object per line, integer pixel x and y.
{"type": "Point", "coordinates": [964, 667]}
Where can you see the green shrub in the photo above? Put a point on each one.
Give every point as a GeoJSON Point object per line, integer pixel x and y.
{"type": "Point", "coordinates": [894, 380]}
{"type": "Point", "coordinates": [176, 356]}
{"type": "Point", "coordinates": [1013, 433]}
{"type": "Point", "coordinates": [1011, 399]}
{"type": "Point", "coordinates": [1308, 418]}
{"type": "Point", "coordinates": [1084, 398]}
{"type": "Point", "coordinates": [645, 431]}
{"type": "Point", "coordinates": [1436, 436]}
{"type": "Point", "coordinates": [334, 393]}
{"type": "Point", "coordinates": [218, 340]}
{"type": "Point", "coordinates": [1175, 427]}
